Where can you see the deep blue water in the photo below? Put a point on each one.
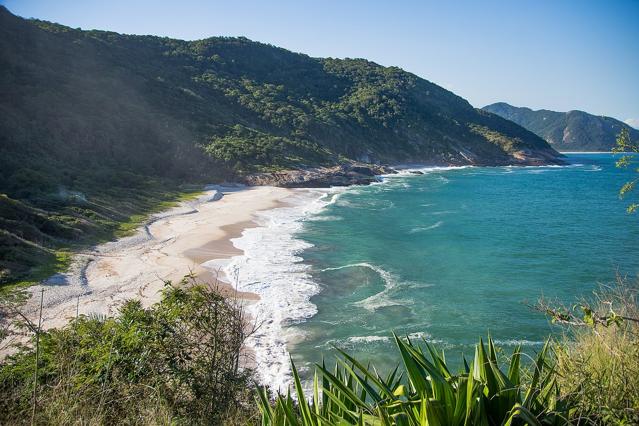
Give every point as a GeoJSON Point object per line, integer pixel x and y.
{"type": "Point", "coordinates": [454, 254]}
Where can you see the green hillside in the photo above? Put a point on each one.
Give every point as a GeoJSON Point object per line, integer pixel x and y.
{"type": "Point", "coordinates": [566, 131]}
{"type": "Point", "coordinates": [97, 127]}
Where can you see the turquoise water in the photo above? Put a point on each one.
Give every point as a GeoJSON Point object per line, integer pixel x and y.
{"type": "Point", "coordinates": [454, 254]}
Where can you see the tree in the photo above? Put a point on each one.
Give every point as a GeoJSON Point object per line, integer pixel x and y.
{"type": "Point", "coordinates": [628, 160]}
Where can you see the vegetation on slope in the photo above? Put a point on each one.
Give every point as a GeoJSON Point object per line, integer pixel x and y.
{"type": "Point", "coordinates": [97, 126]}
{"type": "Point", "coordinates": [178, 363]}
{"type": "Point", "coordinates": [38, 234]}
{"type": "Point", "coordinates": [597, 359]}
{"type": "Point", "coordinates": [175, 363]}
{"type": "Point", "coordinates": [567, 131]}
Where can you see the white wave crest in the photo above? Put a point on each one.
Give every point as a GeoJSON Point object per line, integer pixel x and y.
{"type": "Point", "coordinates": [368, 339]}
{"type": "Point", "coordinates": [416, 169]}
{"type": "Point", "coordinates": [378, 300]}
{"type": "Point", "coordinates": [426, 228]}
{"type": "Point", "coordinates": [518, 342]}
{"type": "Point", "coordinates": [271, 267]}
{"type": "Point", "coordinates": [354, 342]}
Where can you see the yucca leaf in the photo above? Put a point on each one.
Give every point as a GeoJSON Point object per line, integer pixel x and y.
{"type": "Point", "coordinates": [519, 412]}
{"type": "Point", "coordinates": [316, 400]}
{"type": "Point", "coordinates": [351, 397]}
{"type": "Point", "coordinates": [264, 406]}
{"type": "Point", "coordinates": [513, 369]}
{"type": "Point", "coordinates": [338, 402]}
{"type": "Point", "coordinates": [533, 387]}
{"type": "Point", "coordinates": [384, 387]}
{"type": "Point", "coordinates": [416, 374]}
{"type": "Point", "coordinates": [289, 411]}
{"type": "Point", "coordinates": [367, 389]}
{"type": "Point", "coordinates": [325, 400]}
{"type": "Point", "coordinates": [439, 362]}
{"type": "Point", "coordinates": [301, 398]}
{"type": "Point", "coordinates": [466, 367]}
{"type": "Point", "coordinates": [391, 381]}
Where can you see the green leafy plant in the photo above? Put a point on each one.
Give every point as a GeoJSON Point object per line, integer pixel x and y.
{"type": "Point", "coordinates": [175, 362]}
{"type": "Point", "coordinates": [426, 392]}
{"type": "Point", "coordinates": [627, 147]}
{"type": "Point", "coordinates": [597, 360]}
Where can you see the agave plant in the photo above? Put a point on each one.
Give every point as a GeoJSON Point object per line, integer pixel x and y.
{"type": "Point", "coordinates": [424, 393]}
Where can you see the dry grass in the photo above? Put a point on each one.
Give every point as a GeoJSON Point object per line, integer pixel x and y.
{"type": "Point", "coordinates": [598, 366]}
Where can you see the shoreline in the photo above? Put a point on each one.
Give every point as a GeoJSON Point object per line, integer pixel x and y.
{"type": "Point", "coordinates": [271, 267]}
{"type": "Point", "coordinates": [586, 152]}
{"type": "Point", "coordinates": [171, 245]}
{"type": "Point", "coordinates": [223, 243]}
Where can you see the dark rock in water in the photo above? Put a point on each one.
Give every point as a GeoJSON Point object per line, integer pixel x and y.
{"type": "Point", "coordinates": [416, 172]}
{"type": "Point", "coordinates": [322, 177]}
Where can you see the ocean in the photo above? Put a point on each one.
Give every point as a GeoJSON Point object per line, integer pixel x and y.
{"type": "Point", "coordinates": [449, 256]}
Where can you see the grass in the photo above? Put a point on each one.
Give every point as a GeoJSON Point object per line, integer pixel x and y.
{"type": "Point", "coordinates": [133, 222]}
{"type": "Point", "coordinates": [77, 226]}
{"type": "Point", "coordinates": [59, 262]}
{"type": "Point", "coordinates": [598, 365]}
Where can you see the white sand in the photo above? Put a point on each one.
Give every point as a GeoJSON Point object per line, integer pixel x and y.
{"type": "Point", "coordinates": [174, 245]}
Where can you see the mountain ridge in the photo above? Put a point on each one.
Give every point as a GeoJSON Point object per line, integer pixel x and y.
{"type": "Point", "coordinates": [574, 130]}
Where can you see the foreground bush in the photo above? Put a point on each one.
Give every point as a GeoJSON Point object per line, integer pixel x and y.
{"type": "Point", "coordinates": [598, 360]}
{"type": "Point", "coordinates": [426, 393]}
{"type": "Point", "coordinates": [176, 362]}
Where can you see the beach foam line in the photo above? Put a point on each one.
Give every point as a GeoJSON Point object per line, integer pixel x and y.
{"type": "Point", "coordinates": [270, 266]}
{"type": "Point", "coordinates": [404, 170]}
{"type": "Point", "coordinates": [354, 342]}
{"type": "Point", "coordinates": [518, 342]}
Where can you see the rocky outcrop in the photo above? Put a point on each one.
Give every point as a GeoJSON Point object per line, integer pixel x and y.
{"type": "Point", "coordinates": [321, 177]}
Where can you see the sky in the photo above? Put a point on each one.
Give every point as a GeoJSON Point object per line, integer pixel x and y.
{"type": "Point", "coordinates": [559, 55]}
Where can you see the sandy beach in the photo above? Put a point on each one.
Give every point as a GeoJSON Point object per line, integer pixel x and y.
{"type": "Point", "coordinates": [173, 244]}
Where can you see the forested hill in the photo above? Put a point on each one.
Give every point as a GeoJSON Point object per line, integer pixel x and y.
{"type": "Point", "coordinates": [156, 105]}
{"type": "Point", "coordinates": [92, 121]}
{"type": "Point", "coordinates": [566, 131]}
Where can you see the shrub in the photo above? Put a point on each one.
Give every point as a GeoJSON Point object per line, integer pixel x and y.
{"type": "Point", "coordinates": [598, 359]}
{"type": "Point", "coordinates": [178, 361]}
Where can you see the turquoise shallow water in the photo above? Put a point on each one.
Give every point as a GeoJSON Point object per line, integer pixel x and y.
{"type": "Point", "coordinates": [454, 254]}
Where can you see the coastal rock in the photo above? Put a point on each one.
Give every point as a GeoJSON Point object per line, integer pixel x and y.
{"type": "Point", "coordinates": [322, 177]}
{"type": "Point", "coordinates": [215, 196]}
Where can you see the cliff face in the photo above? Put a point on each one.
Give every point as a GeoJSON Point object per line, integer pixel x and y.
{"type": "Point", "coordinates": [566, 131]}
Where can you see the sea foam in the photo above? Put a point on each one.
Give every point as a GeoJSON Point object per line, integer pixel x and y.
{"type": "Point", "coordinates": [426, 228]}
{"type": "Point", "coordinates": [271, 267]}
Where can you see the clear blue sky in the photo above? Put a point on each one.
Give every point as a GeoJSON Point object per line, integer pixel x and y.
{"type": "Point", "coordinates": [557, 55]}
